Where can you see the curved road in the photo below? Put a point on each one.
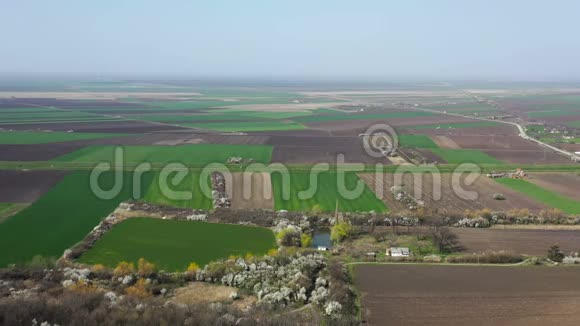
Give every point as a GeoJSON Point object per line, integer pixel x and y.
{"type": "Point", "coordinates": [521, 129]}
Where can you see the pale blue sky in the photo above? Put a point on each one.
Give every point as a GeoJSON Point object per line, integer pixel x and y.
{"type": "Point", "coordinates": [382, 39]}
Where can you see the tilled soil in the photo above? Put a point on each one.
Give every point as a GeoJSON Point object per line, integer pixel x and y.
{"type": "Point", "coordinates": [468, 295]}
{"type": "Point", "coordinates": [313, 149]}
{"type": "Point", "coordinates": [498, 130]}
{"type": "Point", "coordinates": [567, 184]}
{"type": "Point", "coordinates": [26, 186]}
{"type": "Point", "coordinates": [521, 241]}
{"type": "Point", "coordinates": [517, 156]}
{"type": "Point", "coordinates": [251, 191]}
{"type": "Point", "coordinates": [445, 142]}
{"type": "Point", "coordinates": [448, 194]}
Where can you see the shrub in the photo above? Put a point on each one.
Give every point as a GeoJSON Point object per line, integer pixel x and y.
{"type": "Point", "coordinates": [305, 240]}
{"type": "Point", "coordinates": [551, 214]}
{"type": "Point", "coordinates": [192, 268]}
{"type": "Point", "coordinates": [249, 257]}
{"type": "Point", "coordinates": [145, 268]}
{"type": "Point", "coordinates": [289, 237]}
{"type": "Point", "coordinates": [432, 259]}
{"type": "Point", "coordinates": [555, 254]}
{"type": "Point", "coordinates": [488, 257]}
{"type": "Point", "coordinates": [216, 270]}
{"type": "Point", "coordinates": [444, 239]}
{"type": "Point", "coordinates": [101, 271]}
{"type": "Point", "coordinates": [83, 286]}
{"type": "Point", "coordinates": [123, 269]}
{"type": "Point", "coordinates": [340, 231]}
{"type": "Point", "coordinates": [139, 290]}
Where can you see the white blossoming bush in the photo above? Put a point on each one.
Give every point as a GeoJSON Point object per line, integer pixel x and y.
{"type": "Point", "coordinates": [76, 274]}
{"type": "Point", "coordinates": [571, 260]}
{"type": "Point", "coordinates": [277, 280]}
{"type": "Point", "coordinates": [332, 308]}
{"type": "Point", "coordinates": [478, 222]}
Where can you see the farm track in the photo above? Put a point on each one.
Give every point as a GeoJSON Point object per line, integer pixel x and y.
{"type": "Point", "coordinates": [522, 132]}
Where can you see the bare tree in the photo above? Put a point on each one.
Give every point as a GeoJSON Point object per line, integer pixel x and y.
{"type": "Point", "coordinates": [444, 239]}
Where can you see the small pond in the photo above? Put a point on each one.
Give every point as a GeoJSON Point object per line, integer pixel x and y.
{"type": "Point", "coordinates": [321, 238]}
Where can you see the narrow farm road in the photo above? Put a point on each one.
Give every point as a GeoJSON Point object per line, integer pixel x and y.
{"type": "Point", "coordinates": [521, 130]}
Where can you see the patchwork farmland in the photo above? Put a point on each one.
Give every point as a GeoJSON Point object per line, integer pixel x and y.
{"type": "Point", "coordinates": [302, 144]}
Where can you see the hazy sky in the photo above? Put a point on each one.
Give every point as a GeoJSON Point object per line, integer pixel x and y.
{"type": "Point", "coordinates": [383, 39]}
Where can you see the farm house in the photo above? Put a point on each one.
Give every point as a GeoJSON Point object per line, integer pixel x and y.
{"type": "Point", "coordinates": [399, 252]}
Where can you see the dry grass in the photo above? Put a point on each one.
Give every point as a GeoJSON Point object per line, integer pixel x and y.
{"type": "Point", "coordinates": [199, 292]}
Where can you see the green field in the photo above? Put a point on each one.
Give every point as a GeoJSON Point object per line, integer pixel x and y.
{"type": "Point", "coordinates": [575, 124]}
{"type": "Point", "coordinates": [326, 196]}
{"type": "Point", "coordinates": [416, 141]}
{"type": "Point", "coordinates": [542, 195]}
{"type": "Point", "coordinates": [48, 115]}
{"type": "Point", "coordinates": [455, 125]}
{"type": "Point", "coordinates": [216, 116]}
{"type": "Point", "coordinates": [246, 125]}
{"type": "Point", "coordinates": [362, 116]}
{"type": "Point", "coordinates": [25, 137]}
{"type": "Point", "coordinates": [171, 245]}
{"type": "Point", "coordinates": [554, 113]}
{"type": "Point", "coordinates": [157, 194]}
{"type": "Point", "coordinates": [197, 154]}
{"type": "Point", "coordinates": [559, 140]}
{"type": "Point", "coordinates": [60, 218]}
{"type": "Point", "coordinates": [459, 156]}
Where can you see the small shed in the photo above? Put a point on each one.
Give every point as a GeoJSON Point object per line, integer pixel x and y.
{"type": "Point", "coordinates": [399, 252]}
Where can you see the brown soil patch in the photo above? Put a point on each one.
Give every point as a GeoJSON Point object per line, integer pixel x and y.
{"type": "Point", "coordinates": [498, 130]}
{"type": "Point", "coordinates": [286, 107]}
{"type": "Point", "coordinates": [355, 127]}
{"type": "Point", "coordinates": [251, 190]}
{"type": "Point", "coordinates": [569, 147]}
{"type": "Point", "coordinates": [316, 149]}
{"type": "Point", "coordinates": [522, 241]}
{"type": "Point", "coordinates": [446, 194]}
{"type": "Point", "coordinates": [494, 142]}
{"type": "Point", "coordinates": [445, 142]}
{"type": "Point", "coordinates": [567, 184]}
{"type": "Point", "coordinates": [468, 295]}
{"type": "Point", "coordinates": [181, 141]}
{"type": "Point", "coordinates": [26, 186]}
{"type": "Point", "coordinates": [199, 292]}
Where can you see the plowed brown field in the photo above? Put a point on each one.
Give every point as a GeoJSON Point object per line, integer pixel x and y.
{"type": "Point", "coordinates": [445, 193]}
{"type": "Point", "coordinates": [26, 186]}
{"type": "Point", "coordinates": [251, 190]}
{"type": "Point", "coordinates": [567, 184]}
{"type": "Point", "coordinates": [468, 295]}
{"type": "Point", "coordinates": [533, 242]}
